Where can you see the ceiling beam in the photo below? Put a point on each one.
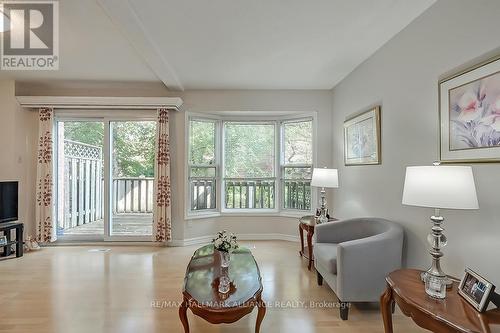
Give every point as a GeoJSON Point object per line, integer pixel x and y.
{"type": "Point", "coordinates": [123, 15]}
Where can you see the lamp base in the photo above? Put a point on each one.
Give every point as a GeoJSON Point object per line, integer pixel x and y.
{"type": "Point", "coordinates": [437, 240]}
{"type": "Point", "coordinates": [322, 216]}
{"type": "Point", "coordinates": [448, 280]}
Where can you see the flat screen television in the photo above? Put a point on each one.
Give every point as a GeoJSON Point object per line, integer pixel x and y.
{"type": "Point", "coordinates": [8, 201]}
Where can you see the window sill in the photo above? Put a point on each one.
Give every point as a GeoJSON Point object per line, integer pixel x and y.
{"type": "Point", "coordinates": [198, 216]}
{"type": "Point", "coordinates": [269, 213]}
{"type": "Point", "coordinates": [296, 214]}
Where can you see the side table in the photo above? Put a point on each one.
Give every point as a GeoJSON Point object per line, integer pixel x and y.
{"type": "Point", "coordinates": [307, 224]}
{"type": "Point", "coordinates": [450, 315]}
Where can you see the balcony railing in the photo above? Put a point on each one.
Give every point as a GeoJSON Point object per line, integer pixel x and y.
{"type": "Point", "coordinates": [297, 194]}
{"type": "Point", "coordinates": [132, 195]}
{"type": "Point", "coordinates": [250, 194]}
{"type": "Point", "coordinates": [203, 192]}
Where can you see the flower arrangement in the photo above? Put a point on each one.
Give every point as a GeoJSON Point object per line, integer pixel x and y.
{"type": "Point", "coordinates": [225, 242]}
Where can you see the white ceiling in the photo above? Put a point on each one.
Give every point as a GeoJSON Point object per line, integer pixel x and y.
{"type": "Point", "coordinates": [91, 48]}
{"type": "Point", "coordinates": [223, 44]}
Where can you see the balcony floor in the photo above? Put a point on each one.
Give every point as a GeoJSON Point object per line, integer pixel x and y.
{"type": "Point", "coordinates": [123, 225]}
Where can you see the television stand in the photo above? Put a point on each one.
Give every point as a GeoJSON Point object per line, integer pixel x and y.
{"type": "Point", "coordinates": [6, 228]}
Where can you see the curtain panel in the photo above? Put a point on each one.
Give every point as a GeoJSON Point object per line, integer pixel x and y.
{"type": "Point", "coordinates": [45, 226]}
{"type": "Point", "coordinates": [162, 224]}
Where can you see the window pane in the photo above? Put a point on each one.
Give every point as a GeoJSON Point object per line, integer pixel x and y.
{"type": "Point", "coordinates": [245, 194]}
{"type": "Point", "coordinates": [132, 162]}
{"type": "Point", "coordinates": [203, 194]}
{"type": "Point", "coordinates": [297, 188]}
{"type": "Point", "coordinates": [202, 142]}
{"type": "Point", "coordinates": [203, 172]}
{"type": "Point", "coordinates": [297, 143]}
{"type": "Point", "coordinates": [80, 186]}
{"type": "Point", "coordinates": [249, 150]}
{"type": "Point", "coordinates": [297, 173]}
{"type": "Point", "coordinates": [297, 194]}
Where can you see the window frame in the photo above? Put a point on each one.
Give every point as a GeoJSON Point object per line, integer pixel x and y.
{"type": "Point", "coordinates": [283, 165]}
{"type": "Point", "coordinates": [278, 119]}
{"type": "Point", "coordinates": [217, 165]}
{"type": "Point", "coordinates": [275, 177]}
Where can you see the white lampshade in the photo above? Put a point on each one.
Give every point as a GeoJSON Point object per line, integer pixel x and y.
{"type": "Point", "coordinates": [323, 177]}
{"type": "Point", "coordinates": [448, 187]}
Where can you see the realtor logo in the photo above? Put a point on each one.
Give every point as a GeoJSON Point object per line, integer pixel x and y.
{"type": "Point", "coordinates": [30, 35]}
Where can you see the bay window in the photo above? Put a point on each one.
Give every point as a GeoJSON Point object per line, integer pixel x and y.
{"type": "Point", "coordinates": [249, 165]}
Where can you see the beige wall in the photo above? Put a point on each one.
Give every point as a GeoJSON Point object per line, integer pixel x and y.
{"type": "Point", "coordinates": [402, 76]}
{"type": "Point", "coordinates": [18, 138]}
{"type": "Point", "coordinates": [210, 101]}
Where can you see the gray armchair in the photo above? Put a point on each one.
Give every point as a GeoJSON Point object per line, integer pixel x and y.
{"type": "Point", "coordinates": [354, 256]}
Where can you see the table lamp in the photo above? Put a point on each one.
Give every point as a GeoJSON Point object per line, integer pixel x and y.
{"type": "Point", "coordinates": [324, 178]}
{"type": "Point", "coordinates": [439, 187]}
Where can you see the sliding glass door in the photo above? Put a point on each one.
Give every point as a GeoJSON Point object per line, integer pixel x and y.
{"type": "Point", "coordinates": [105, 172]}
{"type": "Point", "coordinates": [132, 173]}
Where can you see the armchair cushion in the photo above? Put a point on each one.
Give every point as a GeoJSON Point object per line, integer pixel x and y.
{"type": "Point", "coordinates": [326, 255]}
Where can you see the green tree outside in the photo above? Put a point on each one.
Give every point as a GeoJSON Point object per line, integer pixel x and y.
{"type": "Point", "coordinates": [133, 144]}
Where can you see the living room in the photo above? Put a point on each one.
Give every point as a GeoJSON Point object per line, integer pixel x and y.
{"type": "Point", "coordinates": [155, 131]}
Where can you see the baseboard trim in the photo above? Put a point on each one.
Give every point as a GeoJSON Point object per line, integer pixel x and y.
{"type": "Point", "coordinates": [243, 237]}
{"type": "Point", "coordinates": [175, 242]}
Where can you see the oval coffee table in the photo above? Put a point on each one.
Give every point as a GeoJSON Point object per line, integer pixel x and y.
{"type": "Point", "coordinates": [201, 295]}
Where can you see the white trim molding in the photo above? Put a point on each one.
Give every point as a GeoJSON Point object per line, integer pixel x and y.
{"type": "Point", "coordinates": [88, 102]}
{"type": "Point", "coordinates": [242, 237]}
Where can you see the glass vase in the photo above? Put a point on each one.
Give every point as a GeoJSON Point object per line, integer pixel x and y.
{"type": "Point", "coordinates": [224, 284]}
{"type": "Point", "coordinates": [225, 258]}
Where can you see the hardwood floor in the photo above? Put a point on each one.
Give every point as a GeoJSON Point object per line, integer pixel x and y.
{"type": "Point", "coordinates": [136, 289]}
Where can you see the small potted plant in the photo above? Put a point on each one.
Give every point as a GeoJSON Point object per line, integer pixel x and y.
{"type": "Point", "coordinates": [225, 243]}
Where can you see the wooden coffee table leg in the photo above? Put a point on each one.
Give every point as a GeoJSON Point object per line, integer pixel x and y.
{"type": "Point", "coordinates": [260, 314]}
{"type": "Point", "coordinates": [386, 304]}
{"type": "Point", "coordinates": [310, 247]}
{"type": "Point", "coordinates": [183, 315]}
{"type": "Point", "coordinates": [301, 235]}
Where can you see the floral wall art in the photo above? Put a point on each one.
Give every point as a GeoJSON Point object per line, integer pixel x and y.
{"type": "Point", "coordinates": [362, 138]}
{"type": "Point", "coordinates": [470, 115]}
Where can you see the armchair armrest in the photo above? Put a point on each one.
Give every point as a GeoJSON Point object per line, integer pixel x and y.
{"type": "Point", "coordinates": [363, 264]}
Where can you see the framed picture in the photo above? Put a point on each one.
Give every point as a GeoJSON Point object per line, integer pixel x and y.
{"type": "Point", "coordinates": [3, 240]}
{"type": "Point", "coordinates": [475, 289]}
{"type": "Point", "coordinates": [469, 112]}
{"type": "Point", "coordinates": [362, 138]}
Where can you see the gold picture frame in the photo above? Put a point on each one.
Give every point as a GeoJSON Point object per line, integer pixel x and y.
{"type": "Point", "coordinates": [362, 138]}
{"type": "Point", "coordinates": [453, 93]}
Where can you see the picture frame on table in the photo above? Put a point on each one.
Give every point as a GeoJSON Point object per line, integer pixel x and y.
{"type": "Point", "coordinates": [362, 139]}
{"type": "Point", "coordinates": [476, 290]}
{"type": "Point", "coordinates": [469, 114]}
